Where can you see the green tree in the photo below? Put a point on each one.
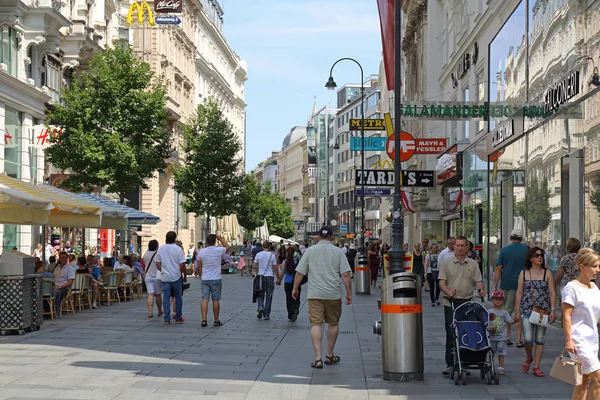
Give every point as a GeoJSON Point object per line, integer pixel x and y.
{"type": "Point", "coordinates": [210, 179]}
{"type": "Point", "coordinates": [251, 210]}
{"type": "Point", "coordinates": [114, 124]}
{"type": "Point", "coordinates": [277, 213]}
{"type": "Point", "coordinates": [536, 204]}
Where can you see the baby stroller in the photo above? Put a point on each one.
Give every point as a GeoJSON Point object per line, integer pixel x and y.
{"type": "Point", "coordinates": [472, 343]}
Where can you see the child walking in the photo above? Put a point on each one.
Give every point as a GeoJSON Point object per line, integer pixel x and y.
{"type": "Point", "coordinates": [499, 318]}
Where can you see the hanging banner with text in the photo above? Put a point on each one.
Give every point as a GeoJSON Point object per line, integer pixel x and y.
{"type": "Point", "coordinates": [371, 144]}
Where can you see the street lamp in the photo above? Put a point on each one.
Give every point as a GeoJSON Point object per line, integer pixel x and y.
{"type": "Point", "coordinates": [331, 85]}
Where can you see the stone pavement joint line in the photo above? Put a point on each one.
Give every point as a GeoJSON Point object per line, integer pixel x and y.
{"type": "Point", "coordinates": [116, 352]}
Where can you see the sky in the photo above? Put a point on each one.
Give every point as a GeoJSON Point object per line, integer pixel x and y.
{"type": "Point", "coordinates": [290, 46]}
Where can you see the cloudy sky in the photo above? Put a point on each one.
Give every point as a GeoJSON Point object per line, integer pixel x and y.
{"type": "Point", "coordinates": [289, 46]}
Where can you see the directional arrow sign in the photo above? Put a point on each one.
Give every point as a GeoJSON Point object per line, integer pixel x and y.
{"type": "Point", "coordinates": [385, 178]}
{"type": "Point", "coordinates": [167, 20]}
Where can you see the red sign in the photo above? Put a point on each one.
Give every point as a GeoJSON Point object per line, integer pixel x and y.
{"type": "Point", "coordinates": [430, 146]}
{"type": "Point", "coordinates": [408, 146]}
{"type": "Point", "coordinates": [447, 165]}
{"type": "Point", "coordinates": [387, 23]}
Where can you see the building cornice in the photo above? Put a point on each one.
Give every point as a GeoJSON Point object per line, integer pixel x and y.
{"type": "Point", "coordinates": [219, 39]}
{"type": "Point", "coordinates": [23, 96]}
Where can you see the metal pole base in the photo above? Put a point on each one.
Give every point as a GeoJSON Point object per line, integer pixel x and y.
{"type": "Point", "coordinates": [403, 376]}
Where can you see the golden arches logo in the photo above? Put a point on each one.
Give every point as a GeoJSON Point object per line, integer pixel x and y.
{"type": "Point", "coordinates": [385, 164]}
{"type": "Point", "coordinates": [140, 7]}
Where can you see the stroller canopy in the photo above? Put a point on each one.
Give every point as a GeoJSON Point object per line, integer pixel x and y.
{"type": "Point", "coordinates": [471, 321]}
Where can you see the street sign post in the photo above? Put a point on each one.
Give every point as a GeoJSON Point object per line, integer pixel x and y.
{"type": "Point", "coordinates": [167, 20]}
{"type": "Point", "coordinates": [385, 178]}
{"type": "Point", "coordinates": [371, 144]}
{"type": "Point", "coordinates": [343, 228]}
{"type": "Point", "coordinates": [374, 192]}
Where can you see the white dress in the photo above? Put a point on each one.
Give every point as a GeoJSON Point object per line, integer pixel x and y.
{"type": "Point", "coordinates": [584, 319]}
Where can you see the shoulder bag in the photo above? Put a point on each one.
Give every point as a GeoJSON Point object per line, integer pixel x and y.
{"type": "Point", "coordinates": [567, 370]}
{"type": "Point", "coordinates": [539, 316]}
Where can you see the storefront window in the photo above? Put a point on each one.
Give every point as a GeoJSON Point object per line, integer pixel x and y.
{"type": "Point", "coordinates": [9, 49]}
{"type": "Point", "coordinates": [12, 136]}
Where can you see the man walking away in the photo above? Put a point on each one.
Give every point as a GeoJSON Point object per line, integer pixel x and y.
{"type": "Point", "coordinates": [510, 263]}
{"type": "Point", "coordinates": [458, 275]}
{"type": "Point", "coordinates": [170, 259]}
{"type": "Point", "coordinates": [209, 268]}
{"type": "Point", "coordinates": [448, 252]}
{"type": "Point", "coordinates": [325, 263]}
{"type": "Point", "coordinates": [265, 264]}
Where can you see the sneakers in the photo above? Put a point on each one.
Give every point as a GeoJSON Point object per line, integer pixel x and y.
{"type": "Point", "coordinates": [267, 318]}
{"type": "Point", "coordinates": [294, 316]}
{"type": "Point", "coordinates": [500, 370]}
{"type": "Point", "coordinates": [437, 302]}
{"type": "Point", "coordinates": [180, 320]}
{"type": "Point", "coordinates": [446, 372]}
{"type": "Point", "coordinates": [432, 304]}
{"type": "Point", "coordinates": [260, 314]}
{"type": "Point", "coordinates": [94, 306]}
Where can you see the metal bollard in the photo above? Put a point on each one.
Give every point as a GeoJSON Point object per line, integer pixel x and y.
{"type": "Point", "coordinates": [362, 276]}
{"type": "Point", "coordinates": [401, 327]}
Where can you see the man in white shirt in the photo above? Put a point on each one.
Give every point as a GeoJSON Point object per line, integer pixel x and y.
{"type": "Point", "coordinates": [170, 260]}
{"type": "Point", "coordinates": [64, 275]}
{"type": "Point", "coordinates": [265, 264]}
{"type": "Point", "coordinates": [448, 252]}
{"type": "Point", "coordinates": [209, 268]}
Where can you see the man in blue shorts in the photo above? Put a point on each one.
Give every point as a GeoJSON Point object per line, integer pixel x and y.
{"type": "Point", "coordinates": [209, 268]}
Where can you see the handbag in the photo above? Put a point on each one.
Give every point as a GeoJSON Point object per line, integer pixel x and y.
{"type": "Point", "coordinates": [567, 370]}
{"type": "Point", "coordinates": [539, 316]}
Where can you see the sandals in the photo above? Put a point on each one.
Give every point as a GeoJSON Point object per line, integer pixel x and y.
{"type": "Point", "coordinates": [520, 345]}
{"type": "Point", "coordinates": [526, 365]}
{"type": "Point", "coordinates": [318, 364]}
{"type": "Point", "coordinates": [332, 359]}
{"type": "Point", "coordinates": [150, 316]}
{"type": "Point", "coordinates": [218, 323]}
{"type": "Point", "coordinates": [509, 342]}
{"type": "Point", "coordinates": [161, 313]}
{"type": "Point", "coordinates": [204, 323]}
{"type": "Point", "coordinates": [500, 370]}
{"type": "Point", "coordinates": [538, 372]}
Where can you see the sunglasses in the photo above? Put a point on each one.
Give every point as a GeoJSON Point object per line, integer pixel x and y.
{"type": "Point", "coordinates": [539, 255]}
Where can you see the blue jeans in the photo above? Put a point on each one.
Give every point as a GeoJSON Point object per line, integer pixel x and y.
{"type": "Point", "coordinates": [174, 289]}
{"type": "Point", "coordinates": [266, 305]}
{"type": "Point", "coordinates": [532, 333]}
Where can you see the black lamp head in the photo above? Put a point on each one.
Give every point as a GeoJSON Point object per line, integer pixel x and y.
{"type": "Point", "coordinates": [336, 146]}
{"type": "Point", "coordinates": [330, 85]}
{"type": "Point", "coordinates": [595, 77]}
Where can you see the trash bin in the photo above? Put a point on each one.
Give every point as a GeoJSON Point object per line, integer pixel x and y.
{"type": "Point", "coordinates": [362, 275]}
{"type": "Point", "coordinates": [21, 294]}
{"type": "Point", "coordinates": [401, 327]}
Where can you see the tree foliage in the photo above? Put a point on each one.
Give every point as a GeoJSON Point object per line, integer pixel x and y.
{"type": "Point", "coordinates": [537, 205]}
{"type": "Point", "coordinates": [114, 124]}
{"type": "Point", "coordinates": [251, 210]}
{"type": "Point", "coordinates": [277, 213]}
{"type": "Point", "coordinates": [210, 178]}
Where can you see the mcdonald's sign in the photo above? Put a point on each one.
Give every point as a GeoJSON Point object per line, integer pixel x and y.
{"type": "Point", "coordinates": [385, 164]}
{"type": "Point", "coordinates": [140, 7]}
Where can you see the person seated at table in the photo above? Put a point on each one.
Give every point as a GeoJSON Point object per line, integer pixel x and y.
{"type": "Point", "coordinates": [138, 269]}
{"type": "Point", "coordinates": [93, 270]}
{"type": "Point", "coordinates": [120, 264]}
{"type": "Point", "coordinates": [64, 275]}
{"type": "Point", "coordinates": [52, 264]}
{"type": "Point", "coordinates": [72, 260]}
{"type": "Point", "coordinates": [128, 263]}
{"type": "Point", "coordinates": [82, 266]}
{"type": "Point", "coordinates": [40, 268]}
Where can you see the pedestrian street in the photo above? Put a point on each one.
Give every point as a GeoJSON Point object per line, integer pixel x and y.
{"type": "Point", "coordinates": [117, 352]}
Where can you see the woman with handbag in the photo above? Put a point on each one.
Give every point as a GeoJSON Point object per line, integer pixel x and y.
{"type": "Point", "coordinates": [581, 312]}
{"type": "Point", "coordinates": [534, 306]}
{"type": "Point", "coordinates": [152, 279]}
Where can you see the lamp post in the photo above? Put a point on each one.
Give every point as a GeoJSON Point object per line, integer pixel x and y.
{"type": "Point", "coordinates": [331, 85]}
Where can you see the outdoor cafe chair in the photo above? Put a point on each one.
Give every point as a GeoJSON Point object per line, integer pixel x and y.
{"type": "Point", "coordinates": [67, 303]}
{"type": "Point", "coordinates": [111, 287]}
{"type": "Point", "coordinates": [127, 285]}
{"type": "Point", "coordinates": [49, 296]}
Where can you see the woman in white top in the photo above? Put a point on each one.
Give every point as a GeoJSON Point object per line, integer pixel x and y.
{"type": "Point", "coordinates": [38, 251]}
{"type": "Point", "coordinates": [581, 314]}
{"type": "Point", "coordinates": [152, 279]}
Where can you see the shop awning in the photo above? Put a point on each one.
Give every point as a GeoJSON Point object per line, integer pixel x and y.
{"type": "Point", "coordinates": [135, 217]}
{"type": "Point", "coordinates": [62, 208]}
{"type": "Point", "coordinates": [112, 217]}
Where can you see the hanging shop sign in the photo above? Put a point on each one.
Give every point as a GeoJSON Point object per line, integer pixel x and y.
{"type": "Point", "coordinates": [448, 166]}
{"type": "Point", "coordinates": [168, 6]}
{"type": "Point", "coordinates": [167, 20]}
{"type": "Point", "coordinates": [140, 7]}
{"type": "Point", "coordinates": [505, 133]}
{"type": "Point", "coordinates": [561, 92]}
{"type": "Point", "coordinates": [369, 125]}
{"type": "Point", "coordinates": [371, 144]}
{"type": "Point", "coordinates": [374, 192]}
{"type": "Point", "coordinates": [385, 178]}
{"type": "Point", "coordinates": [408, 146]}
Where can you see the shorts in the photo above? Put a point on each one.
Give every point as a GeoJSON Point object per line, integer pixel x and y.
{"type": "Point", "coordinates": [320, 310]}
{"type": "Point", "coordinates": [509, 300]}
{"type": "Point", "coordinates": [153, 285]}
{"type": "Point", "coordinates": [499, 347]}
{"type": "Point", "coordinates": [212, 287]}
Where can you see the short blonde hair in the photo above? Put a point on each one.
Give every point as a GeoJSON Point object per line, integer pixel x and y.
{"type": "Point", "coordinates": [587, 257]}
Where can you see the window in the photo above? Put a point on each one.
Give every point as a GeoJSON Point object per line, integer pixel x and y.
{"type": "Point", "coordinates": [51, 76]}
{"type": "Point", "coordinates": [466, 98]}
{"type": "Point", "coordinates": [9, 49]}
{"type": "Point", "coordinates": [12, 132]}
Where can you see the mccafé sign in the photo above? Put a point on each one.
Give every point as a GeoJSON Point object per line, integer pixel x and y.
{"type": "Point", "coordinates": [140, 7]}
{"type": "Point", "coordinates": [168, 6]}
